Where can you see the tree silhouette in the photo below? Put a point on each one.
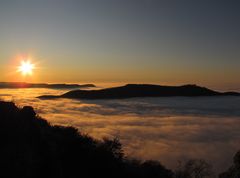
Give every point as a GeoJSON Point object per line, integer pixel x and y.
{"type": "Point", "coordinates": [234, 170]}
{"type": "Point", "coordinates": [32, 148]}
{"type": "Point", "coordinates": [194, 168]}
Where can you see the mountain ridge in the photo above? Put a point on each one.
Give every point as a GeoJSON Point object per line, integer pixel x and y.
{"type": "Point", "coordinates": [141, 90]}
{"type": "Point", "coordinates": [42, 85]}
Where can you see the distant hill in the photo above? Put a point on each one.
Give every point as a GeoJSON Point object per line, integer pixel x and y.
{"type": "Point", "coordinates": [140, 90]}
{"type": "Point", "coordinates": [41, 85]}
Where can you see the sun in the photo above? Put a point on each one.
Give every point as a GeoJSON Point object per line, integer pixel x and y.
{"type": "Point", "coordinates": [26, 68]}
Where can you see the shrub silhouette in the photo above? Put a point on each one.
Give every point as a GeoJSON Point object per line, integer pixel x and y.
{"type": "Point", "coordinates": [194, 168]}
{"type": "Point", "coordinates": [234, 170]}
{"type": "Point", "coordinates": [32, 148]}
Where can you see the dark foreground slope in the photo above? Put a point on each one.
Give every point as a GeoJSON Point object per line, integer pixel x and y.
{"type": "Point", "coordinates": [32, 148]}
{"type": "Point", "coordinates": [42, 85]}
{"type": "Point", "coordinates": [234, 170]}
{"type": "Point", "coordinates": [140, 90]}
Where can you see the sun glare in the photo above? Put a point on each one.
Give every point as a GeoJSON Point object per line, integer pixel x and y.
{"type": "Point", "coordinates": [26, 68]}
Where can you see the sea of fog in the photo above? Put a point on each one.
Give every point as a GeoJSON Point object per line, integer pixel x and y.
{"type": "Point", "coordinates": [168, 129]}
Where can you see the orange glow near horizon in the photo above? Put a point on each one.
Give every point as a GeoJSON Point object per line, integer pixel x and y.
{"type": "Point", "coordinates": [26, 68]}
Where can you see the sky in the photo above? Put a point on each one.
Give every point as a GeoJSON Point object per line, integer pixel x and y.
{"type": "Point", "coordinates": [131, 41]}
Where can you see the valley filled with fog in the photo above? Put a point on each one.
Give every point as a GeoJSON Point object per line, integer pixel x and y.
{"type": "Point", "coordinates": [168, 129]}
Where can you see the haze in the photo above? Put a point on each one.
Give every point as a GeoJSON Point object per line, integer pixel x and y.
{"type": "Point", "coordinates": [129, 41]}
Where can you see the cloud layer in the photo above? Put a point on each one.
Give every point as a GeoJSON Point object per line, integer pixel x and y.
{"type": "Point", "coordinates": [167, 129]}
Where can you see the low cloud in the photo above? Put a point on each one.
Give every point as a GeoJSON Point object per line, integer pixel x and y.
{"type": "Point", "coordinates": [167, 129]}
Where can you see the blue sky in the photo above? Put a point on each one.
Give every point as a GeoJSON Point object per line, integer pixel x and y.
{"type": "Point", "coordinates": [169, 42]}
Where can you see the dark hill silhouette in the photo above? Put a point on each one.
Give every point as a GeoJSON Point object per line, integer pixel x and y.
{"type": "Point", "coordinates": [234, 170]}
{"type": "Point", "coordinates": [140, 90]}
{"type": "Point", "coordinates": [32, 148]}
{"type": "Point", "coordinates": [42, 85]}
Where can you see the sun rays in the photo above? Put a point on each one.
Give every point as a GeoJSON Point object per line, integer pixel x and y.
{"type": "Point", "coordinates": [26, 68]}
